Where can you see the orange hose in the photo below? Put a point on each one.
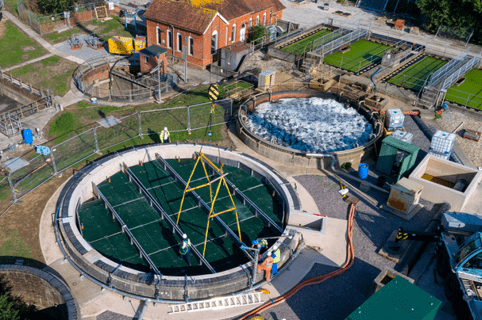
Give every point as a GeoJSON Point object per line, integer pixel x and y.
{"type": "Point", "coordinates": [350, 256]}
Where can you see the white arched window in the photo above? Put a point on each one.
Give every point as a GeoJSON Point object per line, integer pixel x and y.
{"type": "Point", "coordinates": [158, 33]}
{"type": "Point", "coordinates": [227, 32]}
{"type": "Point", "coordinates": [179, 41]}
{"type": "Point", "coordinates": [191, 46]}
{"type": "Point", "coordinates": [214, 42]}
{"type": "Point", "coordinates": [242, 32]}
{"type": "Point", "coordinates": [264, 19]}
{"type": "Point", "coordinates": [169, 38]}
{"type": "Point", "coordinates": [233, 33]}
{"type": "Point", "coordinates": [257, 20]}
{"type": "Point", "coordinates": [250, 22]}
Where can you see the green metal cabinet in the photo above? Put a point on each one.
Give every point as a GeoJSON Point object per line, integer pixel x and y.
{"type": "Point", "coordinates": [398, 300]}
{"type": "Point", "coordinates": [388, 153]}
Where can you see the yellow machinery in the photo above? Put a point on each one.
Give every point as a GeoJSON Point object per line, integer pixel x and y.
{"type": "Point", "coordinates": [126, 45]}
{"type": "Point", "coordinates": [222, 181]}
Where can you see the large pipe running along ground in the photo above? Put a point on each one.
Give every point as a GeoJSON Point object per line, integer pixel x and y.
{"type": "Point", "coordinates": [350, 259]}
{"type": "Point", "coordinates": [333, 160]}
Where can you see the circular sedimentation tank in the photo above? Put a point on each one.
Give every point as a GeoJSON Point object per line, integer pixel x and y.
{"type": "Point", "coordinates": [297, 126]}
{"type": "Point", "coordinates": [119, 218]}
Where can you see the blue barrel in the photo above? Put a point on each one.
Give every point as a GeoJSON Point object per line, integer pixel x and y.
{"type": "Point", "coordinates": [27, 136]}
{"type": "Point", "coordinates": [363, 170]}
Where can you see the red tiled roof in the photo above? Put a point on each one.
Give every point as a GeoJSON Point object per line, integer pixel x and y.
{"type": "Point", "coordinates": [184, 15]}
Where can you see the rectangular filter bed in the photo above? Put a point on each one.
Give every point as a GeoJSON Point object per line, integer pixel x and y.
{"type": "Point", "coordinates": [155, 234]}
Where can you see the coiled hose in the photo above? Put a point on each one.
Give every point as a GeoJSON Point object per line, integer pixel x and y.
{"type": "Point", "coordinates": [350, 256]}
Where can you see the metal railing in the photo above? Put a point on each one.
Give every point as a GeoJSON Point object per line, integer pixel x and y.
{"type": "Point", "coordinates": [129, 130]}
{"type": "Point", "coordinates": [463, 69]}
{"type": "Point", "coordinates": [447, 68]}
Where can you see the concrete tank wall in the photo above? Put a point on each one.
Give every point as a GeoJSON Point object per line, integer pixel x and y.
{"type": "Point", "coordinates": [298, 158]}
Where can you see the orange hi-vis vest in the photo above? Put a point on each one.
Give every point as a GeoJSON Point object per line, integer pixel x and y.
{"type": "Point", "coordinates": [268, 262]}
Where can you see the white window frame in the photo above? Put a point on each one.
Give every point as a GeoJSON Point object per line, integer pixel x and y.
{"type": "Point", "coordinates": [215, 35]}
{"type": "Point", "coordinates": [158, 35]}
{"type": "Point", "coordinates": [169, 37]}
{"type": "Point", "coordinates": [179, 42]}
{"type": "Point", "coordinates": [191, 46]}
{"type": "Point", "coordinates": [250, 22]}
{"type": "Point", "coordinates": [257, 20]}
{"type": "Point", "coordinates": [242, 38]}
{"type": "Point", "coordinates": [264, 19]}
{"type": "Point", "coordinates": [146, 59]}
{"type": "Point", "coordinates": [233, 33]}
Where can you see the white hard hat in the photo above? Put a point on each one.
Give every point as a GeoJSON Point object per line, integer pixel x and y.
{"type": "Point", "coordinates": [269, 254]}
{"type": "Point", "coordinates": [165, 128]}
{"type": "Point", "coordinates": [275, 248]}
{"type": "Point", "coordinates": [184, 236]}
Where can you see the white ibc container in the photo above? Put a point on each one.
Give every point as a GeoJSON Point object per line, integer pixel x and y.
{"type": "Point", "coordinates": [439, 155]}
{"type": "Point", "coordinates": [442, 144]}
{"type": "Point", "coordinates": [394, 119]}
{"type": "Point", "coordinates": [403, 136]}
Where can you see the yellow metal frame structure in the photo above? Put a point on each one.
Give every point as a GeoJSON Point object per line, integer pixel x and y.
{"type": "Point", "coordinates": [222, 181]}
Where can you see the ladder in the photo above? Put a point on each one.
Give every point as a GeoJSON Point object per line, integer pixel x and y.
{"type": "Point", "coordinates": [218, 303]}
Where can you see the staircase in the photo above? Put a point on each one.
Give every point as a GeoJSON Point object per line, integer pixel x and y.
{"type": "Point", "coordinates": [308, 65]}
{"type": "Point", "coordinates": [429, 97]}
{"type": "Point", "coordinates": [218, 303]}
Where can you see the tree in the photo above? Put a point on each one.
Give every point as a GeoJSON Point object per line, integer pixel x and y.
{"type": "Point", "coordinates": [455, 14]}
{"type": "Point", "coordinates": [54, 6]}
{"type": "Point", "coordinates": [256, 33]}
{"type": "Point", "coordinates": [7, 308]}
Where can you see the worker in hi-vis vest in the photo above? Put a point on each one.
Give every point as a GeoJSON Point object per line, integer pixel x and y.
{"type": "Point", "coordinates": [266, 266]}
{"type": "Point", "coordinates": [276, 255]}
{"type": "Point", "coordinates": [184, 247]}
{"type": "Point", "coordinates": [165, 136]}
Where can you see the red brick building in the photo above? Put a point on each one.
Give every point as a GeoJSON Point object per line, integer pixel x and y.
{"type": "Point", "coordinates": [205, 26]}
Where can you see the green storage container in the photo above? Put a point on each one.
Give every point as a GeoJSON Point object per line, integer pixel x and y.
{"type": "Point", "coordinates": [388, 154]}
{"type": "Point", "coordinates": [398, 300]}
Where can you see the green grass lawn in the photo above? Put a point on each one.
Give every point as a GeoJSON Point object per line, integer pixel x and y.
{"type": "Point", "coordinates": [414, 76]}
{"type": "Point", "coordinates": [468, 93]}
{"type": "Point", "coordinates": [362, 54]}
{"type": "Point", "coordinates": [13, 245]}
{"type": "Point", "coordinates": [15, 47]}
{"type": "Point", "coordinates": [302, 45]}
{"type": "Point", "coordinates": [11, 5]}
{"type": "Point", "coordinates": [53, 73]}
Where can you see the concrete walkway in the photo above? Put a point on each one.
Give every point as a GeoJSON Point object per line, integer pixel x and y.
{"type": "Point", "coordinates": [29, 62]}
{"type": "Point", "coordinates": [35, 36]}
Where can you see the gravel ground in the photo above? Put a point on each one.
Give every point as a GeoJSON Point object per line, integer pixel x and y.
{"type": "Point", "coordinates": [450, 120]}
{"type": "Point", "coordinates": [84, 53]}
{"type": "Point", "coordinates": [338, 297]}
{"type": "Point", "coordinates": [108, 315]}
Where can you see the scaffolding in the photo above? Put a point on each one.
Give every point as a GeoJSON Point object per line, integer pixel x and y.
{"type": "Point", "coordinates": [222, 181]}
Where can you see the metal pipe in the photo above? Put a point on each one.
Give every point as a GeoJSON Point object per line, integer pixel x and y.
{"type": "Point", "coordinates": [333, 160]}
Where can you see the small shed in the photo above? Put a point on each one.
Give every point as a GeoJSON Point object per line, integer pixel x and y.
{"type": "Point", "coordinates": [232, 55]}
{"type": "Point", "coordinates": [148, 58]}
{"type": "Point", "coordinates": [398, 300]}
{"type": "Point", "coordinates": [396, 155]}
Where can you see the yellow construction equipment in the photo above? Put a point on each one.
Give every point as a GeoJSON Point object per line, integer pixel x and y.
{"type": "Point", "coordinates": [222, 181]}
{"type": "Point", "coordinates": [126, 45]}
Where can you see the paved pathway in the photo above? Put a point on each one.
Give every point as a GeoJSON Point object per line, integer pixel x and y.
{"type": "Point", "coordinates": [35, 36]}
{"type": "Point", "coordinates": [29, 62]}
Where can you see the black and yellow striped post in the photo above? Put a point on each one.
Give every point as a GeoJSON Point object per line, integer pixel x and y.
{"type": "Point", "coordinates": [213, 93]}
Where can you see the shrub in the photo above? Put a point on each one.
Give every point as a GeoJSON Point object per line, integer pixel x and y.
{"type": "Point", "coordinates": [346, 166]}
{"type": "Point", "coordinates": [54, 6]}
{"type": "Point", "coordinates": [62, 124]}
{"type": "Point", "coordinates": [257, 32]}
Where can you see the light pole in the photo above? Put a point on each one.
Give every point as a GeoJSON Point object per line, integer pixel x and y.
{"type": "Point", "coordinates": [159, 100]}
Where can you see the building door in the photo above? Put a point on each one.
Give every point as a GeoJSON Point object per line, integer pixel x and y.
{"type": "Point", "coordinates": [242, 32]}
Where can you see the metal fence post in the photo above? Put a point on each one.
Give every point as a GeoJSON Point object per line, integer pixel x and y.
{"type": "Point", "coordinates": [140, 125]}
{"type": "Point", "coordinates": [13, 189]}
{"type": "Point", "coordinates": [53, 161]}
{"type": "Point", "coordinates": [96, 142]}
{"type": "Point", "coordinates": [189, 119]}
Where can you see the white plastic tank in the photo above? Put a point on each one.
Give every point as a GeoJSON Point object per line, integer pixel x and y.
{"type": "Point", "coordinates": [394, 119]}
{"type": "Point", "coordinates": [403, 136]}
{"type": "Point", "coordinates": [442, 144]}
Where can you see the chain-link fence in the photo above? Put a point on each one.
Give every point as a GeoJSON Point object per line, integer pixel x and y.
{"type": "Point", "coordinates": [459, 35]}
{"type": "Point", "coordinates": [78, 14]}
{"type": "Point", "coordinates": [115, 134]}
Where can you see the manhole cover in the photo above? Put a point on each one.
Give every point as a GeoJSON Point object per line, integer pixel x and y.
{"type": "Point", "coordinates": [15, 164]}
{"type": "Point", "coordinates": [108, 122]}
